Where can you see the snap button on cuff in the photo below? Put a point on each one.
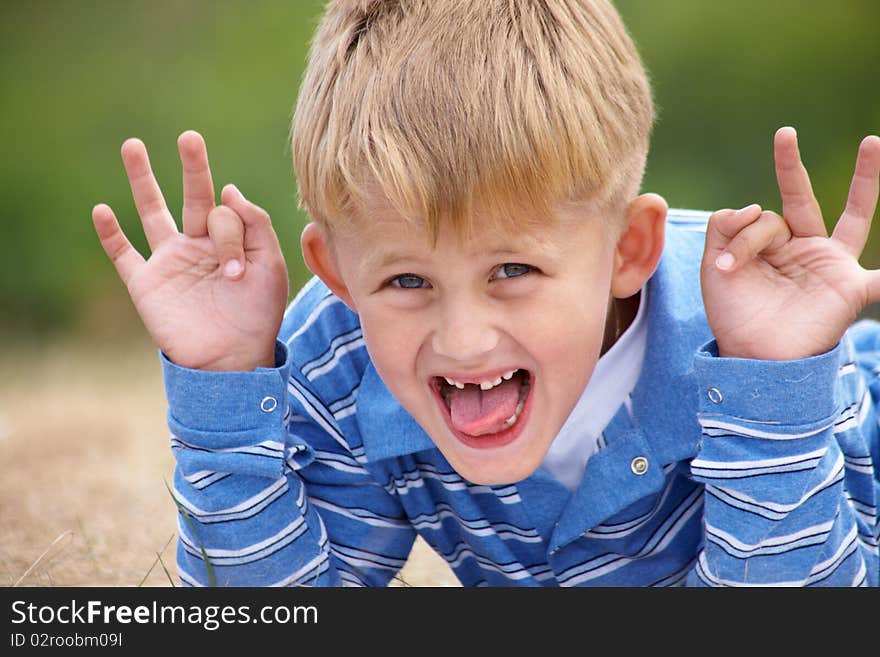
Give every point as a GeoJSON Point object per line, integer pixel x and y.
{"type": "Point", "coordinates": [268, 404]}
{"type": "Point", "coordinates": [715, 395]}
{"type": "Point", "coordinates": [639, 465]}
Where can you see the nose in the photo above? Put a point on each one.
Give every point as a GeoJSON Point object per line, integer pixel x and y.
{"type": "Point", "coordinates": [465, 331]}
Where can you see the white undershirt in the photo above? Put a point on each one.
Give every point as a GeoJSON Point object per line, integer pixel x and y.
{"type": "Point", "coordinates": [613, 379]}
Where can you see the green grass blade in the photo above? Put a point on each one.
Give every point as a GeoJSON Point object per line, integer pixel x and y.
{"type": "Point", "coordinates": [209, 567]}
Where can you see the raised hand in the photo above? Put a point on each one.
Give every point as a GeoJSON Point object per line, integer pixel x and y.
{"type": "Point", "coordinates": [777, 287]}
{"type": "Point", "coordinates": [212, 297]}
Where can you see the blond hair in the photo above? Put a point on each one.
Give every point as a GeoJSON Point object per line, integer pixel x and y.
{"type": "Point", "coordinates": [452, 109]}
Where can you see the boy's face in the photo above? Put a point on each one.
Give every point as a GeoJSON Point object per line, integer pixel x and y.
{"type": "Point", "coordinates": [440, 321]}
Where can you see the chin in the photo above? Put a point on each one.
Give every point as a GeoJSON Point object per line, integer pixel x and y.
{"type": "Point", "coordinates": [495, 469]}
{"type": "Point", "coordinates": [501, 477]}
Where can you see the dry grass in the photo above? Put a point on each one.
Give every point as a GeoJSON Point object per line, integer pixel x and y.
{"type": "Point", "coordinates": [85, 451]}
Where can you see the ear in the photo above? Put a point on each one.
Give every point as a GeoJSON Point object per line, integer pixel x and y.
{"type": "Point", "coordinates": [318, 254]}
{"type": "Point", "coordinates": [640, 245]}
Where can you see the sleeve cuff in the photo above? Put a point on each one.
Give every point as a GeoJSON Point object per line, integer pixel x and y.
{"type": "Point", "coordinates": [233, 403]}
{"type": "Point", "coordinates": [795, 392]}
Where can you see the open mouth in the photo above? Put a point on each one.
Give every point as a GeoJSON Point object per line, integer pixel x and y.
{"type": "Point", "coordinates": [487, 414]}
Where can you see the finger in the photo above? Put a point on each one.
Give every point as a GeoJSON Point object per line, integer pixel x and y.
{"type": "Point", "coordinates": [727, 223]}
{"type": "Point", "coordinates": [198, 187]}
{"type": "Point", "coordinates": [723, 226]}
{"type": "Point", "coordinates": [122, 254]}
{"type": "Point", "coordinates": [855, 222]}
{"type": "Point", "coordinates": [157, 221]}
{"type": "Point", "coordinates": [764, 235]}
{"type": "Point", "coordinates": [799, 206]}
{"type": "Point", "coordinates": [259, 233]}
{"type": "Point", "coordinates": [227, 233]}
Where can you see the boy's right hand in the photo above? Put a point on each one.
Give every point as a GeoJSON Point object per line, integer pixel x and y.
{"type": "Point", "coordinates": [200, 311]}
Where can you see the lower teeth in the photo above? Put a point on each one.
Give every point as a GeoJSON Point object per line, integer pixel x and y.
{"type": "Point", "coordinates": [509, 422]}
{"type": "Point", "coordinates": [513, 418]}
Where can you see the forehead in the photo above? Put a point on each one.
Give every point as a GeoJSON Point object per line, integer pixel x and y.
{"type": "Point", "coordinates": [384, 239]}
{"type": "Point", "coordinates": [378, 233]}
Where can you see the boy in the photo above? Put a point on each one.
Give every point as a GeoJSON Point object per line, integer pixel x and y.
{"type": "Point", "coordinates": [506, 348]}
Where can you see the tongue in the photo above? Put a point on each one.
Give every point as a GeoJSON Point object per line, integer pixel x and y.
{"type": "Point", "coordinates": [477, 412]}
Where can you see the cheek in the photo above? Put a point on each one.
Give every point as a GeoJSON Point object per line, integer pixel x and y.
{"type": "Point", "coordinates": [568, 337]}
{"type": "Point", "coordinates": [568, 358]}
{"type": "Point", "coordinates": [393, 343]}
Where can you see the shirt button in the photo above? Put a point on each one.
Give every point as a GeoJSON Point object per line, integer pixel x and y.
{"type": "Point", "coordinates": [268, 404]}
{"type": "Point", "coordinates": [715, 395]}
{"type": "Point", "coordinates": [639, 465]}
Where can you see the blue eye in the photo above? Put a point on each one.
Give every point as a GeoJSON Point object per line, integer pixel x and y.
{"type": "Point", "coordinates": [408, 282]}
{"type": "Point", "coordinates": [512, 270]}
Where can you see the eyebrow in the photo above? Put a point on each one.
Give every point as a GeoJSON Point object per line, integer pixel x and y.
{"type": "Point", "coordinates": [547, 249]}
{"type": "Point", "coordinates": [382, 259]}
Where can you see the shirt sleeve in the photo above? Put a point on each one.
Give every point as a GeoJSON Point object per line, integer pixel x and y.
{"type": "Point", "coordinates": [248, 514]}
{"type": "Point", "coordinates": [788, 455]}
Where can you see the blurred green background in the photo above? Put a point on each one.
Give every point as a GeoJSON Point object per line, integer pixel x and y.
{"type": "Point", "coordinates": [79, 77]}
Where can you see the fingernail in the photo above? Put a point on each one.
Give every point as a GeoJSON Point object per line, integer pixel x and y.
{"type": "Point", "coordinates": [725, 261]}
{"type": "Point", "coordinates": [236, 190]}
{"type": "Point", "coordinates": [746, 209]}
{"type": "Point", "coordinates": [232, 269]}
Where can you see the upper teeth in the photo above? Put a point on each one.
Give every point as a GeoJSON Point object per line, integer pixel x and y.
{"type": "Point", "coordinates": [484, 385]}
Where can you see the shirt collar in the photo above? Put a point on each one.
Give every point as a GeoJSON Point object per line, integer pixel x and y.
{"type": "Point", "coordinates": [663, 426]}
{"type": "Point", "coordinates": [387, 429]}
{"type": "Point", "coordinates": [664, 400]}
{"type": "Point", "coordinates": [613, 379]}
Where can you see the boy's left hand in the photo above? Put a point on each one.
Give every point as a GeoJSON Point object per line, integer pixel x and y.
{"type": "Point", "coordinates": [790, 291]}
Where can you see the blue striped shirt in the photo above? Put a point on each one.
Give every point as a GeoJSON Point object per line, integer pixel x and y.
{"type": "Point", "coordinates": [714, 471]}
